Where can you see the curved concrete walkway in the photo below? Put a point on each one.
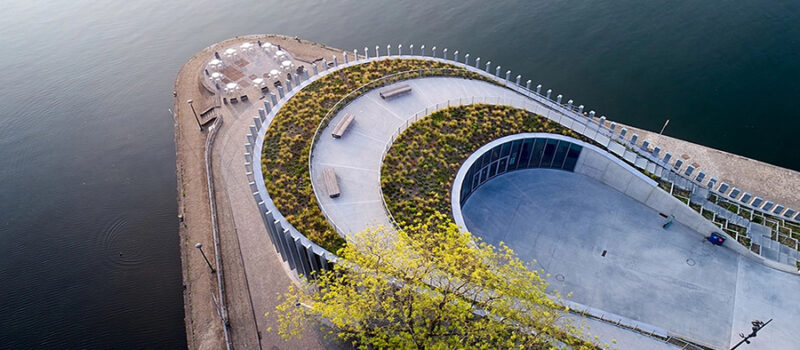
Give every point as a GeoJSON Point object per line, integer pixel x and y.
{"type": "Point", "coordinates": [357, 157]}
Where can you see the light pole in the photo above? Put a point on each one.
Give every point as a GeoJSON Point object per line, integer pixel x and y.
{"type": "Point", "coordinates": [200, 246]}
{"type": "Point", "coordinates": [757, 325]}
{"type": "Point", "coordinates": [195, 114]}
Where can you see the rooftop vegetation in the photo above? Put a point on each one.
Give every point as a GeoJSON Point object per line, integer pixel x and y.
{"type": "Point", "coordinates": [420, 167]}
{"type": "Point", "coordinates": [289, 138]}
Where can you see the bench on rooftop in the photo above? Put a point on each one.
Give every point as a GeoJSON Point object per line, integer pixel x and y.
{"type": "Point", "coordinates": [331, 185]}
{"type": "Point", "coordinates": [395, 91]}
{"type": "Point", "coordinates": [342, 126]}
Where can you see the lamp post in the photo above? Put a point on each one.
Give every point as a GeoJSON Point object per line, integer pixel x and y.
{"type": "Point", "coordinates": [757, 325]}
{"type": "Point", "coordinates": [195, 114]}
{"type": "Point", "coordinates": [200, 247]}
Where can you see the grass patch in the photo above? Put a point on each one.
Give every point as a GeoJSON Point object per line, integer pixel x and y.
{"type": "Point", "coordinates": [419, 169]}
{"type": "Point", "coordinates": [289, 138]}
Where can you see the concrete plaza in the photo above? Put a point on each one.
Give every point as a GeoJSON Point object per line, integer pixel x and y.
{"type": "Point", "coordinates": [670, 278]}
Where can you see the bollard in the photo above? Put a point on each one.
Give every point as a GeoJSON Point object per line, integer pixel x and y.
{"type": "Point", "coordinates": [478, 63]}
{"type": "Point", "coordinates": [262, 114]}
{"type": "Point", "coordinates": [344, 55]}
{"type": "Point", "coordinates": [411, 48]}
{"type": "Point", "coordinates": [558, 98]}
{"type": "Point", "coordinates": [388, 50]}
{"type": "Point", "coordinates": [528, 85]}
{"type": "Point", "coordinates": [422, 50]}
{"type": "Point", "coordinates": [366, 52]}
{"type": "Point", "coordinates": [580, 109]}
{"type": "Point", "coordinates": [455, 56]}
{"type": "Point", "coordinates": [508, 75]}
{"type": "Point", "coordinates": [602, 120]}
{"type": "Point", "coordinates": [656, 150]}
{"type": "Point", "coordinates": [539, 89]}
{"type": "Point", "coordinates": [280, 91]}
{"type": "Point", "coordinates": [433, 51]}
{"type": "Point", "coordinates": [612, 126]}
{"type": "Point", "coordinates": [399, 49]}
{"type": "Point", "coordinates": [569, 105]}
{"type": "Point", "coordinates": [488, 66]}
{"type": "Point", "coordinates": [645, 145]}
{"type": "Point", "coordinates": [622, 133]}
{"type": "Point", "coordinates": [273, 98]}
{"type": "Point", "coordinates": [444, 53]}
{"type": "Point", "coordinates": [314, 67]}
{"type": "Point", "coordinates": [634, 138]}
{"type": "Point", "coordinates": [377, 51]}
{"type": "Point", "coordinates": [267, 108]}
{"type": "Point", "coordinates": [591, 115]}
{"type": "Point", "coordinates": [549, 92]}
{"type": "Point", "coordinates": [466, 59]}
{"type": "Point", "coordinates": [497, 72]}
{"type": "Point", "coordinates": [355, 54]}
{"type": "Point", "coordinates": [324, 64]}
{"type": "Point", "coordinates": [335, 62]}
{"type": "Point", "coordinates": [519, 80]}
{"type": "Point", "coordinates": [297, 80]}
{"type": "Point", "coordinates": [288, 85]}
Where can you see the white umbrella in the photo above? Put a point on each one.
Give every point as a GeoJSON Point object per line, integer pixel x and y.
{"type": "Point", "coordinates": [247, 45]}
{"type": "Point", "coordinates": [231, 86]}
{"type": "Point", "coordinates": [258, 81]}
{"type": "Point", "coordinates": [216, 76]}
{"type": "Point", "coordinates": [267, 46]}
{"type": "Point", "coordinates": [274, 73]}
{"type": "Point", "coordinates": [286, 64]}
{"type": "Point", "coordinates": [214, 62]}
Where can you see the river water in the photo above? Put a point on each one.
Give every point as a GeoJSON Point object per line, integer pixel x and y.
{"type": "Point", "coordinates": [89, 253]}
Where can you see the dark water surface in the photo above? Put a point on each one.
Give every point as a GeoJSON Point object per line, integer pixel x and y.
{"type": "Point", "coordinates": [89, 253]}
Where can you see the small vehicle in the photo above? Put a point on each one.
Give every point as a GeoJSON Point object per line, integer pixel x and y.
{"type": "Point", "coordinates": [716, 238]}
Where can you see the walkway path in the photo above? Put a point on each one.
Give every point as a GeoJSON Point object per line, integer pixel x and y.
{"type": "Point", "coordinates": [357, 156]}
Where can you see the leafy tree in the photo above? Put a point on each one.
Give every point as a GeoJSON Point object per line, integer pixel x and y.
{"type": "Point", "coordinates": [430, 287]}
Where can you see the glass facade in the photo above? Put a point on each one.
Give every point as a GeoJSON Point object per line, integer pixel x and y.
{"type": "Point", "coordinates": [520, 154]}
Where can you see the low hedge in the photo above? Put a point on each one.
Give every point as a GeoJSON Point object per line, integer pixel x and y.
{"type": "Point", "coordinates": [289, 138]}
{"type": "Point", "coordinates": [418, 171]}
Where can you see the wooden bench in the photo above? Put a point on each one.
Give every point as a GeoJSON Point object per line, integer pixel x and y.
{"type": "Point", "coordinates": [395, 91]}
{"type": "Point", "coordinates": [329, 176]}
{"type": "Point", "coordinates": [340, 128]}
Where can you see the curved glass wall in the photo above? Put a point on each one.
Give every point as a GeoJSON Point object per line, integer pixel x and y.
{"type": "Point", "coordinates": [538, 152]}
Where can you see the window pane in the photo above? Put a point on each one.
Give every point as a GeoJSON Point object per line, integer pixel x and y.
{"type": "Point", "coordinates": [492, 169]}
{"type": "Point", "coordinates": [525, 153]}
{"type": "Point", "coordinates": [512, 160]}
{"type": "Point", "coordinates": [561, 153]}
{"type": "Point", "coordinates": [495, 153]}
{"type": "Point", "coordinates": [485, 159]}
{"type": "Point", "coordinates": [501, 165]}
{"type": "Point", "coordinates": [504, 150]}
{"type": "Point", "coordinates": [572, 157]}
{"type": "Point", "coordinates": [536, 157]}
{"type": "Point", "coordinates": [484, 174]}
{"type": "Point", "coordinates": [549, 152]}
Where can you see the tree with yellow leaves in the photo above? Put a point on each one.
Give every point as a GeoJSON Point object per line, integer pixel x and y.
{"type": "Point", "coordinates": [430, 286]}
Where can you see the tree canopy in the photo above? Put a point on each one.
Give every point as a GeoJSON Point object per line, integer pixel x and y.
{"type": "Point", "coordinates": [430, 286]}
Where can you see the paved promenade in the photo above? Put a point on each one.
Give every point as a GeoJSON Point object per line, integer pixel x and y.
{"type": "Point", "coordinates": [670, 278]}
{"type": "Point", "coordinates": [356, 156]}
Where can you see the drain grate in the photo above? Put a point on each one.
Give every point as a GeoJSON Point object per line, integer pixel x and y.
{"type": "Point", "coordinates": [690, 262]}
{"type": "Point", "coordinates": [560, 277]}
